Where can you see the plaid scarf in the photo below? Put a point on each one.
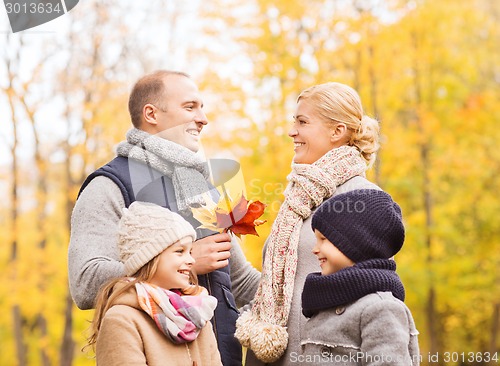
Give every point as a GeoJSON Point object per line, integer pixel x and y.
{"type": "Point", "coordinates": [179, 317]}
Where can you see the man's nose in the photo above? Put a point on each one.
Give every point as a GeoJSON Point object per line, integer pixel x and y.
{"type": "Point", "coordinates": [201, 118]}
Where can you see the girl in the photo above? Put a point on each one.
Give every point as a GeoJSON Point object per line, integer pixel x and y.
{"type": "Point", "coordinates": [156, 315]}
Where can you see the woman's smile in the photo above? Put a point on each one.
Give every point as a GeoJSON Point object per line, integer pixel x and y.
{"type": "Point", "coordinates": [311, 136]}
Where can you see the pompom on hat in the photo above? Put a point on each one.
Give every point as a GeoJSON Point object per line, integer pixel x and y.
{"type": "Point", "coordinates": [146, 230]}
{"type": "Point", "coordinates": [362, 224]}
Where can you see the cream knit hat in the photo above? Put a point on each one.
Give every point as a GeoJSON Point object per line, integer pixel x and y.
{"type": "Point", "coordinates": [146, 230]}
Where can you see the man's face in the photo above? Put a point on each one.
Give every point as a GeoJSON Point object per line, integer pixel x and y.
{"type": "Point", "coordinates": [183, 118]}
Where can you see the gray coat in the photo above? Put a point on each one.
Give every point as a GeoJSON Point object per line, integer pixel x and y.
{"type": "Point", "coordinates": [377, 329]}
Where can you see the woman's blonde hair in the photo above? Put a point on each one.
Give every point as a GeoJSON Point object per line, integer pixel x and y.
{"type": "Point", "coordinates": [107, 294]}
{"type": "Point", "coordinates": [339, 103]}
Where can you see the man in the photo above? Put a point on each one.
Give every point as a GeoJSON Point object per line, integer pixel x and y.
{"type": "Point", "coordinates": [158, 163]}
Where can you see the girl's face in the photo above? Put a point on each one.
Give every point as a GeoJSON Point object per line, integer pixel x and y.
{"type": "Point", "coordinates": [331, 259]}
{"type": "Point", "coordinates": [174, 266]}
{"type": "Point", "coordinates": [312, 138]}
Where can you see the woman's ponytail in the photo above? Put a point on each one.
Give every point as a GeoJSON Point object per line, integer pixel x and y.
{"type": "Point", "coordinates": [366, 138]}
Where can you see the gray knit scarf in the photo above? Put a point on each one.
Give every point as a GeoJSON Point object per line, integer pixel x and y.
{"type": "Point", "coordinates": [263, 328]}
{"type": "Point", "coordinates": [188, 171]}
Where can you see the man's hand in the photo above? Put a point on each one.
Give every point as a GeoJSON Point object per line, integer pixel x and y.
{"type": "Point", "coordinates": [211, 253]}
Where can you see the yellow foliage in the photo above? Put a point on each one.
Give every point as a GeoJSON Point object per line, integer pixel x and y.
{"type": "Point", "coordinates": [428, 70]}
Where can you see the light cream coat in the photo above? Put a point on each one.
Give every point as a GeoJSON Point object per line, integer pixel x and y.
{"type": "Point", "coordinates": [129, 336]}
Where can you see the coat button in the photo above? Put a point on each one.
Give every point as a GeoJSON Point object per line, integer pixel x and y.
{"type": "Point", "coordinates": [325, 351]}
{"type": "Point", "coordinates": [340, 310]}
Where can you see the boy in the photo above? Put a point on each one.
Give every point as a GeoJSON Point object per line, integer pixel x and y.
{"type": "Point", "coordinates": [355, 305]}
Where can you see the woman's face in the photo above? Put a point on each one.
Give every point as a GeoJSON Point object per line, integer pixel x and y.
{"type": "Point", "coordinates": [312, 138]}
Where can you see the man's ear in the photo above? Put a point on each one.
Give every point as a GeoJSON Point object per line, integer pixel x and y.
{"type": "Point", "coordinates": [149, 114]}
{"type": "Point", "coordinates": [339, 133]}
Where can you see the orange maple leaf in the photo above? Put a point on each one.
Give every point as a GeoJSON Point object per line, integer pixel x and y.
{"type": "Point", "coordinates": [243, 218]}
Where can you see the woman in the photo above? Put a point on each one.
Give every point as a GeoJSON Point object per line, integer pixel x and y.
{"type": "Point", "coordinates": [334, 144]}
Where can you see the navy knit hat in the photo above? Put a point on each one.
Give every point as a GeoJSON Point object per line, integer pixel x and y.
{"type": "Point", "coordinates": [362, 224]}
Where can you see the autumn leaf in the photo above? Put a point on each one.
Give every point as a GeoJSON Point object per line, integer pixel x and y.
{"type": "Point", "coordinates": [238, 216]}
{"type": "Point", "coordinates": [206, 214]}
{"type": "Point", "coordinates": [243, 218]}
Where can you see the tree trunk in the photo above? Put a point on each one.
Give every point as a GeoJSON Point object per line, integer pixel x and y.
{"type": "Point", "coordinates": [495, 325]}
{"type": "Point", "coordinates": [375, 109]}
{"type": "Point", "coordinates": [431, 313]}
{"type": "Point", "coordinates": [21, 348]}
{"type": "Point", "coordinates": [67, 351]}
{"type": "Point", "coordinates": [41, 204]}
{"type": "Point", "coordinates": [425, 147]}
{"type": "Point", "coordinates": [44, 334]}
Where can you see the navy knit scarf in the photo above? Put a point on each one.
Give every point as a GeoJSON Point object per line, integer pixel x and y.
{"type": "Point", "coordinates": [350, 284]}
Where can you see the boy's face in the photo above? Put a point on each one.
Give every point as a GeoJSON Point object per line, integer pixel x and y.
{"type": "Point", "coordinates": [331, 259]}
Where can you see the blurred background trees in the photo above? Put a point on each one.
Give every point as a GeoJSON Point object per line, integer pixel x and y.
{"type": "Point", "coordinates": [428, 70]}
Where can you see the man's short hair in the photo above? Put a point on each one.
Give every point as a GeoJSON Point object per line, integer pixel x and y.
{"type": "Point", "coordinates": [149, 89]}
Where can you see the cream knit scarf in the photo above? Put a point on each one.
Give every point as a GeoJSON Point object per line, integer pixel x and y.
{"type": "Point", "coordinates": [188, 171]}
{"type": "Point", "coordinates": [263, 329]}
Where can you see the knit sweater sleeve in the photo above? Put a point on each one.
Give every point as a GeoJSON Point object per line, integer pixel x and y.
{"type": "Point", "coordinates": [244, 277]}
{"type": "Point", "coordinates": [385, 334]}
{"type": "Point", "coordinates": [93, 256]}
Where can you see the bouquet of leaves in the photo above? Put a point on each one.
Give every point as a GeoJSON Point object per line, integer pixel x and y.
{"type": "Point", "coordinates": [238, 216]}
